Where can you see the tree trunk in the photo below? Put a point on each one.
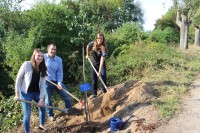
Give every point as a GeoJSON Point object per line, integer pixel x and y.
{"type": "Point", "coordinates": [197, 36]}
{"type": "Point", "coordinates": [183, 24]}
{"type": "Point", "coordinates": [184, 32]}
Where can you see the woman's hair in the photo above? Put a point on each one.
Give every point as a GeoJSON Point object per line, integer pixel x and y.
{"type": "Point", "coordinates": [102, 45]}
{"type": "Point", "coordinates": [42, 66]}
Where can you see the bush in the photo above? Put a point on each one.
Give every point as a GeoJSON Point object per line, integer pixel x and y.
{"type": "Point", "coordinates": [126, 34]}
{"type": "Point", "coordinates": [167, 36]}
{"type": "Point", "coordinates": [10, 113]}
{"type": "Point", "coordinates": [131, 61]}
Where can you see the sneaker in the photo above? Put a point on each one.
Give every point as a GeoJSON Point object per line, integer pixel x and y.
{"type": "Point", "coordinates": [51, 118]}
{"type": "Point", "coordinates": [42, 127]}
{"type": "Point", "coordinates": [65, 110]}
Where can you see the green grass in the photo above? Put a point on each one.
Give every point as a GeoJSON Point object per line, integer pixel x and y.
{"type": "Point", "coordinates": [169, 70]}
{"type": "Point", "coordinates": [167, 106]}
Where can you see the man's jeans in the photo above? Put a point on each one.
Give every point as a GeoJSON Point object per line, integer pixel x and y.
{"type": "Point", "coordinates": [48, 96]}
{"type": "Point", "coordinates": [27, 109]}
{"type": "Point", "coordinates": [95, 79]}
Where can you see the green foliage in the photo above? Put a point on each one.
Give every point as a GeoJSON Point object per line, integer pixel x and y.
{"type": "Point", "coordinates": [166, 36]}
{"type": "Point", "coordinates": [2, 30]}
{"type": "Point", "coordinates": [107, 14]}
{"type": "Point", "coordinates": [129, 12]}
{"type": "Point", "coordinates": [126, 34]}
{"type": "Point", "coordinates": [131, 61]}
{"type": "Point", "coordinates": [166, 30]}
{"type": "Point", "coordinates": [10, 114]}
{"type": "Point", "coordinates": [196, 18]}
{"type": "Point", "coordinates": [19, 49]}
{"type": "Point", "coordinates": [6, 82]}
{"type": "Point", "coordinates": [168, 20]}
{"type": "Point", "coordinates": [5, 79]}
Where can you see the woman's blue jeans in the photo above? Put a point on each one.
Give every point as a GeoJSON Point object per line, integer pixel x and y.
{"type": "Point", "coordinates": [48, 96]}
{"type": "Point", "coordinates": [95, 79]}
{"type": "Point", "coordinates": [27, 109]}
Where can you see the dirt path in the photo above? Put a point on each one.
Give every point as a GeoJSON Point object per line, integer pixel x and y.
{"type": "Point", "coordinates": [188, 120]}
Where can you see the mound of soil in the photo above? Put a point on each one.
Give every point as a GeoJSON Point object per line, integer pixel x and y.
{"type": "Point", "coordinates": [129, 99]}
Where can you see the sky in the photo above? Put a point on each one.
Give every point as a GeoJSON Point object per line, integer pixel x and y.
{"type": "Point", "coordinates": [153, 10]}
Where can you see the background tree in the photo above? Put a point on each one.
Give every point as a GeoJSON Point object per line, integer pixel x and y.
{"type": "Point", "coordinates": [168, 20]}
{"type": "Point", "coordinates": [196, 23]}
{"type": "Point", "coordinates": [9, 19]}
{"type": "Point", "coordinates": [185, 12]}
{"type": "Point", "coordinates": [107, 15]}
{"type": "Point", "coordinates": [166, 30]}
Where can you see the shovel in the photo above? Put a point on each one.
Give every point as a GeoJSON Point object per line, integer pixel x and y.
{"type": "Point", "coordinates": [46, 106]}
{"type": "Point", "coordinates": [98, 76]}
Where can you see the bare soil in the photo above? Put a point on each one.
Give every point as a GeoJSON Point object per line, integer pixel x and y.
{"type": "Point", "coordinates": [129, 99]}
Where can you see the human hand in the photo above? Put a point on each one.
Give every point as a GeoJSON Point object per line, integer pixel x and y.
{"type": "Point", "coordinates": [59, 87]}
{"type": "Point", "coordinates": [98, 74]}
{"type": "Point", "coordinates": [16, 97]}
{"type": "Point", "coordinates": [86, 56]}
{"type": "Point", "coordinates": [41, 103]}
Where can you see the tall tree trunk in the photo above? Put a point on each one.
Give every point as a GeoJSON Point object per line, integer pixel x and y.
{"type": "Point", "coordinates": [183, 30]}
{"type": "Point", "coordinates": [197, 36]}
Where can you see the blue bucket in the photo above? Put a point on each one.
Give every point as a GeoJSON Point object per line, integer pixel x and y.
{"type": "Point", "coordinates": [85, 87]}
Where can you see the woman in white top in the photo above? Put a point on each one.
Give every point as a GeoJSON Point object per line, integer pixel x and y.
{"type": "Point", "coordinates": [31, 84]}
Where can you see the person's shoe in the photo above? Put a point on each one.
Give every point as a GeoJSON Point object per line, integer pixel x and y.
{"type": "Point", "coordinates": [65, 110]}
{"type": "Point", "coordinates": [51, 118]}
{"type": "Point", "coordinates": [42, 127]}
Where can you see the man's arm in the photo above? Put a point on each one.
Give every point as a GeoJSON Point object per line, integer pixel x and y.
{"type": "Point", "coordinates": [60, 74]}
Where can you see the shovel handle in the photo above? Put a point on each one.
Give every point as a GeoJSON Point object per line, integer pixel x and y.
{"type": "Point", "coordinates": [64, 91]}
{"type": "Point", "coordinates": [46, 106]}
{"type": "Point", "coordinates": [98, 76]}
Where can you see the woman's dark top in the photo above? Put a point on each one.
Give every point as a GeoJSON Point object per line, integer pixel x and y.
{"type": "Point", "coordinates": [96, 55]}
{"type": "Point", "coordinates": [34, 85]}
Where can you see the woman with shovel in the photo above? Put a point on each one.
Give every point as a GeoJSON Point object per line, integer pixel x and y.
{"type": "Point", "coordinates": [98, 52]}
{"type": "Point", "coordinates": [31, 84]}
